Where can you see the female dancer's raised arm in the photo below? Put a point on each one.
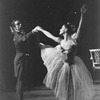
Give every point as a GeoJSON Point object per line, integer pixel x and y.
{"type": "Point", "coordinates": [83, 10]}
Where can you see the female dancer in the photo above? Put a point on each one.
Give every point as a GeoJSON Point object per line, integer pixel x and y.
{"type": "Point", "coordinates": [67, 74]}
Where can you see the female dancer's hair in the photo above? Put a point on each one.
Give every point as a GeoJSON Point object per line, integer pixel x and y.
{"type": "Point", "coordinates": [71, 28]}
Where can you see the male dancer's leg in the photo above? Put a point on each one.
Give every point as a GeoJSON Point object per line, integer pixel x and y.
{"type": "Point", "coordinates": [19, 85]}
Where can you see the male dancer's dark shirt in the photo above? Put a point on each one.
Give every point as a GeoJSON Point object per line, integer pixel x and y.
{"type": "Point", "coordinates": [27, 48]}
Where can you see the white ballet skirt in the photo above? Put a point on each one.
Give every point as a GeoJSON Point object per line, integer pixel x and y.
{"type": "Point", "coordinates": [68, 82]}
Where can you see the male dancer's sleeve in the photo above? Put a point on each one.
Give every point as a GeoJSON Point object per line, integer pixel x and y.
{"type": "Point", "coordinates": [29, 34]}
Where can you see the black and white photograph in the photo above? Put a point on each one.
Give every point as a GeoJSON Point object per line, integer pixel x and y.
{"type": "Point", "coordinates": [49, 50]}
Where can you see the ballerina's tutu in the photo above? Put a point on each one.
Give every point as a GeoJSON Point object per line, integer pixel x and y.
{"type": "Point", "coordinates": [68, 82]}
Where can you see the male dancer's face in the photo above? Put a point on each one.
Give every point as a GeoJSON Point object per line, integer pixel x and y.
{"type": "Point", "coordinates": [18, 26]}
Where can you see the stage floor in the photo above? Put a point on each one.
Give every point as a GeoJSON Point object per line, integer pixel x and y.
{"type": "Point", "coordinates": [39, 93]}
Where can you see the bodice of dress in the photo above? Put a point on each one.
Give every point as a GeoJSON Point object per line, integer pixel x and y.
{"type": "Point", "coordinates": [66, 45]}
{"type": "Point", "coordinates": [67, 49]}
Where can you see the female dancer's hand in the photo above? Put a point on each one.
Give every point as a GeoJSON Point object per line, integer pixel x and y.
{"type": "Point", "coordinates": [83, 9]}
{"type": "Point", "coordinates": [36, 29]}
{"type": "Point", "coordinates": [39, 28]}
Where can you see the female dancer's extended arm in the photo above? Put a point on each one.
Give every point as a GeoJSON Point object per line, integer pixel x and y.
{"type": "Point", "coordinates": [48, 34]}
{"type": "Point", "coordinates": [83, 10]}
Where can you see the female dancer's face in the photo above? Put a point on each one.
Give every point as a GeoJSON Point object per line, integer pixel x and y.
{"type": "Point", "coordinates": [63, 30]}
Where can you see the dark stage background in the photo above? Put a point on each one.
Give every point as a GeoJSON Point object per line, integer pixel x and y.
{"type": "Point", "coordinates": [51, 15]}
